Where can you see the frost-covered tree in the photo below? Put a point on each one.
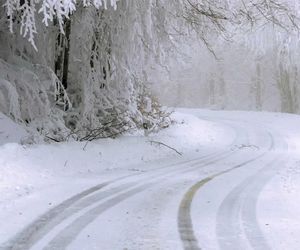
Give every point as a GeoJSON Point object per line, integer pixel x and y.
{"type": "Point", "coordinates": [256, 46]}
{"type": "Point", "coordinates": [100, 58]}
{"type": "Point", "coordinates": [96, 58]}
{"type": "Point", "coordinates": [60, 10]}
{"type": "Point", "coordinates": [230, 17]}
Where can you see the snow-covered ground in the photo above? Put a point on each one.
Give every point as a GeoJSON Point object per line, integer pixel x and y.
{"type": "Point", "coordinates": [234, 183]}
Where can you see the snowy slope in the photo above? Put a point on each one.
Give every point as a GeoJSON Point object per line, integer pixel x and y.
{"type": "Point", "coordinates": [28, 170]}
{"type": "Point", "coordinates": [138, 195]}
{"type": "Point", "coordinates": [10, 131]}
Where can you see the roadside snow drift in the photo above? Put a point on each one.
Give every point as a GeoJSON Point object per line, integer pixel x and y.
{"type": "Point", "coordinates": [161, 168]}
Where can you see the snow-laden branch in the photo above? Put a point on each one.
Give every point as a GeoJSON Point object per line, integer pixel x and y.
{"type": "Point", "coordinates": [50, 9]}
{"type": "Point", "coordinates": [281, 13]}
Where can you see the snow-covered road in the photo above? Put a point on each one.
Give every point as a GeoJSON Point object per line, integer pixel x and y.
{"type": "Point", "coordinates": [238, 190]}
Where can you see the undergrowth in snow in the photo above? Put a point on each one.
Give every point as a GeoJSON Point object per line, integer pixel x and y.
{"type": "Point", "coordinates": [29, 172]}
{"type": "Point", "coordinates": [102, 64]}
{"type": "Point", "coordinates": [25, 168]}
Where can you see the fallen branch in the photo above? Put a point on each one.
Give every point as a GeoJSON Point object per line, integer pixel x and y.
{"type": "Point", "coordinates": [163, 144]}
{"type": "Point", "coordinates": [53, 139]}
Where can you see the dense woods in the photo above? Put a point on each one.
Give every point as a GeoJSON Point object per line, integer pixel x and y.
{"type": "Point", "coordinates": [92, 69]}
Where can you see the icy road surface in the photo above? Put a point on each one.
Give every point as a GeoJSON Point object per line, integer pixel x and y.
{"type": "Point", "coordinates": [238, 187]}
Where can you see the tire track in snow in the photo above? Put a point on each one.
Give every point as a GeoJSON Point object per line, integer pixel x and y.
{"type": "Point", "coordinates": [184, 220]}
{"type": "Point", "coordinates": [237, 213]}
{"type": "Point", "coordinates": [250, 223]}
{"type": "Point", "coordinates": [46, 222]}
{"type": "Point", "coordinates": [70, 232]}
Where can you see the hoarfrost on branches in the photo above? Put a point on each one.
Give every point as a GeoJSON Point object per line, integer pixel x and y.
{"type": "Point", "coordinates": [105, 58]}
{"type": "Point", "coordinates": [102, 63]}
{"type": "Point", "coordinates": [50, 9]}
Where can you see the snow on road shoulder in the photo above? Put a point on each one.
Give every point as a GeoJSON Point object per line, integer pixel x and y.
{"type": "Point", "coordinates": [278, 208]}
{"type": "Point", "coordinates": [47, 174]}
{"type": "Point", "coordinates": [33, 172]}
{"type": "Point", "coordinates": [191, 132]}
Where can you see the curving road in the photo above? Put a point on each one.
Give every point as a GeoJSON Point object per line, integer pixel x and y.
{"type": "Point", "coordinates": [207, 202]}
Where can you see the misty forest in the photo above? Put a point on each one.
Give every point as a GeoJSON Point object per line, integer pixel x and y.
{"type": "Point", "coordinates": [149, 124]}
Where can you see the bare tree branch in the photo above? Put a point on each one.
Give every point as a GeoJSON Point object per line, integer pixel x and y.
{"type": "Point", "coordinates": [163, 144]}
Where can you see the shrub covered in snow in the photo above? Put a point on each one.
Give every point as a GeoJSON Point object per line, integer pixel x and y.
{"type": "Point", "coordinates": [87, 67]}
{"type": "Point", "coordinates": [94, 76]}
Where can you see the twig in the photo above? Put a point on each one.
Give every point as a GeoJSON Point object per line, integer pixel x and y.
{"type": "Point", "coordinates": [85, 145]}
{"type": "Point", "coordinates": [163, 144]}
{"type": "Point", "coordinates": [53, 139]}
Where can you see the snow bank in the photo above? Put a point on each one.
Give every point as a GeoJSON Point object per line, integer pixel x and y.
{"type": "Point", "coordinates": [10, 131]}
{"type": "Point", "coordinates": [29, 172]}
{"type": "Point", "coordinates": [28, 168]}
{"type": "Point", "coordinates": [278, 208]}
